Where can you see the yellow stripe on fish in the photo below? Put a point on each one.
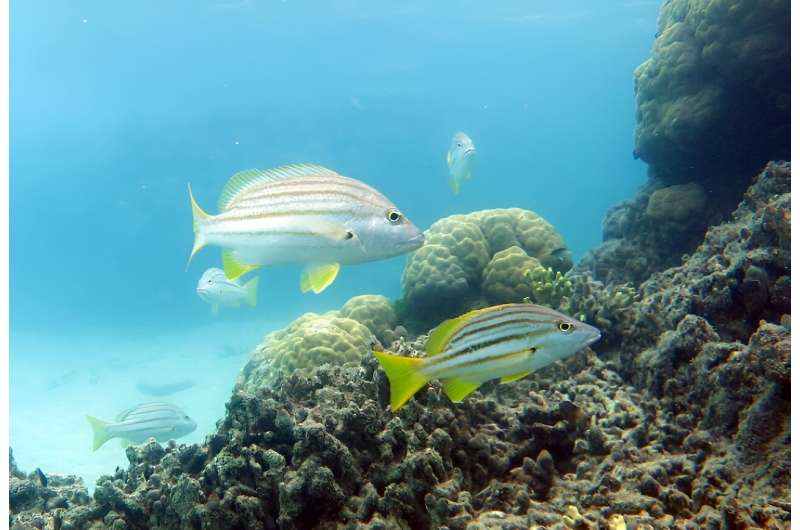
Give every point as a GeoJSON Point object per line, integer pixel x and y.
{"type": "Point", "coordinates": [507, 341]}
{"type": "Point", "coordinates": [305, 214]}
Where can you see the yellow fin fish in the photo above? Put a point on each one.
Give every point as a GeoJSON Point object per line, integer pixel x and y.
{"type": "Point", "coordinates": [506, 341]}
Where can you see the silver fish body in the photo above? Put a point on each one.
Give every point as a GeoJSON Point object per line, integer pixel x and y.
{"type": "Point", "coordinates": [215, 288]}
{"type": "Point", "coordinates": [160, 420]}
{"type": "Point", "coordinates": [304, 214]}
{"type": "Point", "coordinates": [459, 160]}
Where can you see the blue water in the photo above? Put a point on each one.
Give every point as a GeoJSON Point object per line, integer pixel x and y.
{"type": "Point", "coordinates": [115, 107]}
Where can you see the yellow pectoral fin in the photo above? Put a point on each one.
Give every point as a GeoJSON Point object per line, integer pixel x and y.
{"type": "Point", "coordinates": [232, 267]}
{"type": "Point", "coordinates": [514, 377]}
{"type": "Point", "coordinates": [458, 389]}
{"type": "Point", "coordinates": [318, 277]}
{"type": "Point", "coordinates": [405, 380]}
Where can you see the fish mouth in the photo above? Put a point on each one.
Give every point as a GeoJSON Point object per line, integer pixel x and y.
{"type": "Point", "coordinates": [594, 337]}
{"type": "Point", "coordinates": [417, 241]}
{"type": "Point", "coordinates": [469, 151]}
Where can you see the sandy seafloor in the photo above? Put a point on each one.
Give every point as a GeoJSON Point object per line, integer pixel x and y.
{"type": "Point", "coordinates": [58, 380]}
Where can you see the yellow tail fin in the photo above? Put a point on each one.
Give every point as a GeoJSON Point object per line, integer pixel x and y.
{"type": "Point", "coordinates": [405, 380]}
{"type": "Point", "coordinates": [99, 430]}
{"type": "Point", "coordinates": [198, 216]}
{"type": "Point", "coordinates": [251, 288]}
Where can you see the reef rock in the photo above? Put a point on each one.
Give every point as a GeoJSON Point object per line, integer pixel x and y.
{"type": "Point", "coordinates": [713, 98]}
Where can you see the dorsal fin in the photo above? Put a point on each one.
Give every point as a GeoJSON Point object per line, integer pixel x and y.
{"type": "Point", "coordinates": [249, 177]}
{"type": "Point", "coordinates": [442, 333]}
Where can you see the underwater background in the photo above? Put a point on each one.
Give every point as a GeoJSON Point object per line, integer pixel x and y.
{"type": "Point", "coordinates": [632, 180]}
{"type": "Point", "coordinates": [115, 108]}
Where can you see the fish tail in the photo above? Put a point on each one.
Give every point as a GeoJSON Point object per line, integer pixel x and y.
{"type": "Point", "coordinates": [198, 219]}
{"type": "Point", "coordinates": [405, 378]}
{"type": "Point", "coordinates": [100, 433]}
{"type": "Point", "coordinates": [455, 184]}
{"type": "Point", "coordinates": [251, 288]}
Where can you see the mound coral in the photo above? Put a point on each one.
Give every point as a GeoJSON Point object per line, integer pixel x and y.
{"type": "Point", "coordinates": [713, 98]}
{"type": "Point", "coordinates": [375, 312]}
{"type": "Point", "coordinates": [306, 343]}
{"type": "Point", "coordinates": [468, 260]}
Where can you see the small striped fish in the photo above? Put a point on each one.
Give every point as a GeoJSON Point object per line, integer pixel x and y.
{"type": "Point", "coordinates": [159, 420]}
{"type": "Point", "coordinates": [505, 341]}
{"type": "Point", "coordinates": [304, 214]}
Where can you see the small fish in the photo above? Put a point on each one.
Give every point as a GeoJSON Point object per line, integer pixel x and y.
{"type": "Point", "coordinates": [159, 420]}
{"type": "Point", "coordinates": [163, 388]}
{"type": "Point", "coordinates": [506, 341]}
{"type": "Point", "coordinates": [559, 259]}
{"type": "Point", "coordinates": [459, 160]}
{"type": "Point", "coordinates": [305, 214]}
{"type": "Point", "coordinates": [215, 288]}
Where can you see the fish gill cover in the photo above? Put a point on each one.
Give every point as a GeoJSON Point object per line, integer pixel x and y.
{"type": "Point", "coordinates": [677, 418]}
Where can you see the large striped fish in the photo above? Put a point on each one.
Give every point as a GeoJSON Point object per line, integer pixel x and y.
{"type": "Point", "coordinates": [304, 214]}
{"type": "Point", "coordinates": [506, 341]}
{"type": "Point", "coordinates": [159, 420]}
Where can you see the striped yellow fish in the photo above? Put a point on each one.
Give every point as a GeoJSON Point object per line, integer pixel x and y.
{"type": "Point", "coordinates": [506, 341]}
{"type": "Point", "coordinates": [306, 214]}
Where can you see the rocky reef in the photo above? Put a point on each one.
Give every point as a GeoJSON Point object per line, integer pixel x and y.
{"type": "Point", "coordinates": [712, 109]}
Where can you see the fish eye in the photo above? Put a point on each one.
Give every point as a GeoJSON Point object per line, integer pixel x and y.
{"type": "Point", "coordinates": [349, 235]}
{"type": "Point", "coordinates": [564, 327]}
{"type": "Point", "coordinates": [393, 216]}
{"type": "Point", "coordinates": [460, 144]}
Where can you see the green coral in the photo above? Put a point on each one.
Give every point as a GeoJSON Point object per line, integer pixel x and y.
{"type": "Point", "coordinates": [308, 342]}
{"type": "Point", "coordinates": [548, 287]}
{"type": "Point", "coordinates": [375, 312]}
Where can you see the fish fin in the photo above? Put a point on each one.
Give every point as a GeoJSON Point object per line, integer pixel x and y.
{"type": "Point", "coordinates": [99, 429]}
{"type": "Point", "coordinates": [251, 177]}
{"type": "Point", "coordinates": [233, 269]}
{"type": "Point", "coordinates": [468, 175]}
{"type": "Point", "coordinates": [455, 184]}
{"type": "Point", "coordinates": [514, 377]}
{"type": "Point", "coordinates": [251, 288]}
{"type": "Point", "coordinates": [198, 218]}
{"type": "Point", "coordinates": [441, 334]}
{"type": "Point", "coordinates": [458, 389]}
{"type": "Point", "coordinates": [405, 380]}
{"type": "Point", "coordinates": [449, 159]}
{"type": "Point", "coordinates": [124, 443]}
{"type": "Point", "coordinates": [318, 277]}
{"type": "Point", "coordinates": [215, 309]}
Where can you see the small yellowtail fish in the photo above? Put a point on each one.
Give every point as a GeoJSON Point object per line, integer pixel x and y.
{"type": "Point", "coordinates": [215, 288]}
{"type": "Point", "coordinates": [304, 214]}
{"type": "Point", "coordinates": [159, 420]}
{"type": "Point", "coordinates": [505, 341]}
{"type": "Point", "coordinates": [459, 160]}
